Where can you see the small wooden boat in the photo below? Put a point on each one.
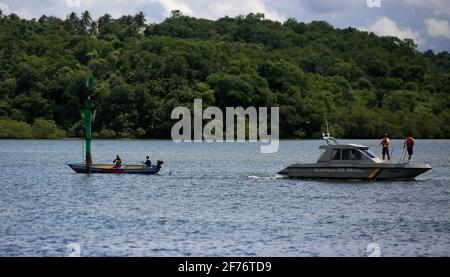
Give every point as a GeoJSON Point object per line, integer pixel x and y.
{"type": "Point", "coordinates": [109, 168]}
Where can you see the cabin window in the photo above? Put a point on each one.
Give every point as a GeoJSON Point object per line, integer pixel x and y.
{"type": "Point", "coordinates": [348, 154]}
{"type": "Point", "coordinates": [336, 154]}
{"type": "Point", "coordinates": [368, 153]}
{"type": "Point", "coordinates": [351, 154]}
{"type": "Point", "coordinates": [359, 155]}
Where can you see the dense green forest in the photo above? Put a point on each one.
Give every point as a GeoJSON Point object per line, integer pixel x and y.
{"type": "Point", "coordinates": [366, 85]}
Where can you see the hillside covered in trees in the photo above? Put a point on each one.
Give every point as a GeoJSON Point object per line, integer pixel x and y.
{"type": "Point", "coordinates": [366, 85]}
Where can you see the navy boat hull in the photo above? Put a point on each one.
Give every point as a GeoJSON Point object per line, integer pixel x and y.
{"type": "Point", "coordinates": [357, 171]}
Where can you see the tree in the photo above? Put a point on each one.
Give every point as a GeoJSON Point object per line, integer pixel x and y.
{"type": "Point", "coordinates": [44, 129]}
{"type": "Point", "coordinates": [281, 75]}
{"type": "Point", "coordinates": [11, 129]}
{"type": "Point", "coordinates": [93, 30]}
{"type": "Point", "coordinates": [73, 23]}
{"type": "Point", "coordinates": [175, 14]}
{"type": "Point", "coordinates": [73, 18]}
{"type": "Point", "coordinates": [7, 88]}
{"type": "Point", "coordinates": [230, 90]}
{"type": "Point", "coordinates": [103, 20]}
{"type": "Point", "coordinates": [368, 84]}
{"type": "Point", "coordinates": [85, 20]}
{"type": "Point", "coordinates": [140, 20]}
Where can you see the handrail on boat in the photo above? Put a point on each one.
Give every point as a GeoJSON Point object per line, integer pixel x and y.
{"type": "Point", "coordinates": [329, 139]}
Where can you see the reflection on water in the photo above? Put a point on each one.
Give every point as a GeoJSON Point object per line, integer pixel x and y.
{"type": "Point", "coordinates": [214, 199]}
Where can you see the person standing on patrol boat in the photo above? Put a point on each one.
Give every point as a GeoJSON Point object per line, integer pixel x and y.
{"type": "Point", "coordinates": [409, 144]}
{"type": "Point", "coordinates": [385, 144]}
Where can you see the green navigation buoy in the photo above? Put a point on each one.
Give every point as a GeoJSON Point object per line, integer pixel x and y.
{"type": "Point", "coordinates": [88, 115]}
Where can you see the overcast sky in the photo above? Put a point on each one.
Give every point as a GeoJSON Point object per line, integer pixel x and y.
{"type": "Point", "coordinates": [425, 21]}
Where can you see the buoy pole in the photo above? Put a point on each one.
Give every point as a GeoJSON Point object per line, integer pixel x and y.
{"type": "Point", "coordinates": [88, 115]}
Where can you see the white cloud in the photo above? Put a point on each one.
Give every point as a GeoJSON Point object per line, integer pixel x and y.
{"type": "Point", "coordinates": [216, 9]}
{"type": "Point", "coordinates": [170, 5]}
{"type": "Point", "coordinates": [438, 7]}
{"type": "Point", "coordinates": [332, 6]}
{"type": "Point", "coordinates": [387, 27]}
{"type": "Point", "coordinates": [437, 28]}
{"type": "Point", "coordinates": [241, 7]}
{"type": "Point", "coordinates": [5, 8]}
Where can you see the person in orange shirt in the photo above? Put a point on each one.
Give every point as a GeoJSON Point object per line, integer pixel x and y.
{"type": "Point", "coordinates": [409, 144]}
{"type": "Point", "coordinates": [385, 144]}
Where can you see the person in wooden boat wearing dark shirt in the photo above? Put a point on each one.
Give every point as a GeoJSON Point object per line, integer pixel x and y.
{"type": "Point", "coordinates": [117, 162]}
{"type": "Point", "coordinates": [147, 161]}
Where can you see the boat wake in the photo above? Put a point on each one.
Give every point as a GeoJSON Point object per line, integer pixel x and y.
{"type": "Point", "coordinates": [278, 176]}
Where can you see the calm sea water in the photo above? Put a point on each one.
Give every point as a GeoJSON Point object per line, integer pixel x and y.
{"type": "Point", "coordinates": [221, 199]}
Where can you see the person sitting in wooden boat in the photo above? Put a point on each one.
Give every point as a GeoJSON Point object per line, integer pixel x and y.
{"type": "Point", "coordinates": [147, 161]}
{"type": "Point", "coordinates": [117, 162]}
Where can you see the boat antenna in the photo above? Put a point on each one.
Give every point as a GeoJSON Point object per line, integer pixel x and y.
{"type": "Point", "coordinates": [327, 137]}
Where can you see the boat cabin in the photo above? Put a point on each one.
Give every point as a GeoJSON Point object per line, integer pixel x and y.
{"type": "Point", "coordinates": [347, 153]}
{"type": "Point", "coordinates": [335, 152]}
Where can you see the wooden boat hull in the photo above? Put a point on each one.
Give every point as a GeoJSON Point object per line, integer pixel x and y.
{"type": "Point", "coordinates": [126, 169]}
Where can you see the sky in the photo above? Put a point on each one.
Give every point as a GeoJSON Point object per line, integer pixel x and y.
{"type": "Point", "coordinates": [424, 21]}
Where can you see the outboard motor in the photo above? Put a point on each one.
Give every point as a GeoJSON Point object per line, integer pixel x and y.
{"type": "Point", "coordinates": [159, 163]}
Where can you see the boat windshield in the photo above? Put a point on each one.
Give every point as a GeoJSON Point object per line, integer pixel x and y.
{"type": "Point", "coordinates": [369, 153]}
